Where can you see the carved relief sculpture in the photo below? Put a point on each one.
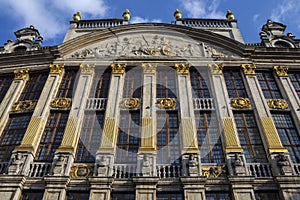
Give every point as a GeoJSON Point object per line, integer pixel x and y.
{"type": "Point", "coordinates": [249, 69]}
{"type": "Point", "coordinates": [16, 164]}
{"type": "Point", "coordinates": [130, 103]}
{"type": "Point", "coordinates": [103, 166]}
{"type": "Point", "coordinates": [240, 103]}
{"type": "Point", "coordinates": [56, 68]}
{"type": "Point", "coordinates": [146, 166]}
{"type": "Point", "coordinates": [118, 68]}
{"type": "Point", "coordinates": [166, 103]}
{"type": "Point", "coordinates": [61, 103]}
{"type": "Point", "coordinates": [238, 165]}
{"type": "Point", "coordinates": [87, 69]}
{"type": "Point", "coordinates": [21, 74]}
{"type": "Point", "coordinates": [193, 165]}
{"type": "Point", "coordinates": [284, 165]}
{"type": "Point", "coordinates": [60, 164]}
{"type": "Point", "coordinates": [81, 171]}
{"type": "Point", "coordinates": [278, 104]}
{"type": "Point", "coordinates": [216, 68]}
{"type": "Point", "coordinates": [213, 171]}
{"type": "Point", "coordinates": [281, 71]}
{"type": "Point", "coordinates": [182, 68]}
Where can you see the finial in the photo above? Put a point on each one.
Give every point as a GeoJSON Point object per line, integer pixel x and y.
{"type": "Point", "coordinates": [126, 15]}
{"type": "Point", "coordinates": [177, 14]}
{"type": "Point", "coordinates": [77, 16]}
{"type": "Point", "coordinates": [31, 26]}
{"type": "Point", "coordinates": [290, 34]}
{"type": "Point", "coordinates": [262, 34]}
{"type": "Point", "coordinates": [229, 15]}
{"type": "Point", "coordinates": [269, 21]}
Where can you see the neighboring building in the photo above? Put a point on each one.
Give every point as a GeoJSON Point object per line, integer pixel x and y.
{"type": "Point", "coordinates": [185, 110]}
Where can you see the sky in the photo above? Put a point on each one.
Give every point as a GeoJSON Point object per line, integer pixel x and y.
{"type": "Point", "coordinates": [51, 17]}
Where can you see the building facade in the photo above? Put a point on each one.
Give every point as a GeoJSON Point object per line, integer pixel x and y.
{"type": "Point", "coordinates": [120, 111]}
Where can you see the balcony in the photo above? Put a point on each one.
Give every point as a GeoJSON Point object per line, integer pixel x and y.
{"type": "Point", "coordinates": [96, 104]}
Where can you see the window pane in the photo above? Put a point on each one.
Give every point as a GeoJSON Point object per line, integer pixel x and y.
{"type": "Point", "coordinates": [66, 87]}
{"type": "Point", "coordinates": [166, 83]}
{"type": "Point", "coordinates": [199, 87]}
{"type": "Point", "coordinates": [234, 83]}
{"type": "Point", "coordinates": [133, 83]}
{"type": "Point", "coordinates": [295, 79]}
{"type": "Point", "coordinates": [5, 82]}
{"type": "Point", "coordinates": [101, 82]}
{"type": "Point", "coordinates": [268, 85]}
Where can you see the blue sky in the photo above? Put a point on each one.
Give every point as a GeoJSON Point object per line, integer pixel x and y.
{"type": "Point", "coordinates": [51, 17]}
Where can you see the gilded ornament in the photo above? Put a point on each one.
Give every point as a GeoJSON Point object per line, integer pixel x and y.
{"type": "Point", "coordinates": [278, 104]}
{"type": "Point", "coordinates": [87, 68]}
{"type": "Point", "coordinates": [149, 68]}
{"type": "Point", "coordinates": [61, 103]}
{"type": "Point", "coordinates": [166, 103]}
{"type": "Point", "coordinates": [216, 68]}
{"type": "Point", "coordinates": [240, 103]}
{"type": "Point", "coordinates": [182, 68]}
{"type": "Point", "coordinates": [126, 15]}
{"type": "Point", "coordinates": [214, 171]}
{"type": "Point", "coordinates": [24, 105]}
{"type": "Point", "coordinates": [118, 68]}
{"type": "Point", "coordinates": [21, 74]}
{"type": "Point", "coordinates": [130, 103]}
{"type": "Point", "coordinates": [77, 16]}
{"type": "Point", "coordinates": [81, 171]}
{"type": "Point", "coordinates": [56, 68]}
{"type": "Point", "coordinates": [177, 14]}
{"type": "Point", "coordinates": [249, 69]}
{"type": "Point", "coordinates": [229, 15]}
{"type": "Point", "coordinates": [281, 71]}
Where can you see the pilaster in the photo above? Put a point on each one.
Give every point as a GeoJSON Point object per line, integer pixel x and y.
{"type": "Point", "coordinates": [100, 188]}
{"type": "Point", "coordinates": [288, 187]}
{"type": "Point", "coordinates": [242, 188]}
{"type": "Point", "coordinates": [194, 187]}
{"type": "Point", "coordinates": [55, 187]}
{"type": "Point", "coordinates": [145, 189]}
{"type": "Point", "coordinates": [11, 187]}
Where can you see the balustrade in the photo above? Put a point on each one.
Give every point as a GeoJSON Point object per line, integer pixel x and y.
{"type": "Point", "coordinates": [297, 168]}
{"type": "Point", "coordinates": [39, 169]}
{"type": "Point", "coordinates": [260, 169]}
{"type": "Point", "coordinates": [168, 171]}
{"type": "Point", "coordinates": [203, 104]}
{"type": "Point", "coordinates": [90, 24]}
{"type": "Point", "coordinates": [202, 23]}
{"type": "Point", "coordinates": [96, 104]}
{"type": "Point", "coordinates": [124, 171]}
{"type": "Point", "coordinates": [3, 167]}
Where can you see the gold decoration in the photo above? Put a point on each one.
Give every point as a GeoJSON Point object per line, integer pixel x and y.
{"type": "Point", "coordinates": [109, 134]}
{"type": "Point", "coordinates": [81, 171]}
{"type": "Point", "coordinates": [130, 103]}
{"type": "Point", "coordinates": [216, 68]}
{"type": "Point", "coordinates": [77, 16]}
{"type": "Point", "coordinates": [24, 105]}
{"type": "Point", "coordinates": [190, 144]}
{"type": "Point", "coordinates": [278, 104]}
{"type": "Point", "coordinates": [229, 15]}
{"type": "Point", "coordinates": [182, 68]}
{"type": "Point", "coordinates": [118, 68]}
{"type": "Point", "coordinates": [147, 139]}
{"type": "Point", "coordinates": [126, 15]}
{"type": "Point", "coordinates": [249, 69]}
{"type": "Point", "coordinates": [61, 103]}
{"type": "Point", "coordinates": [177, 14]}
{"type": "Point", "coordinates": [214, 171]}
{"type": "Point", "coordinates": [149, 68]}
{"type": "Point", "coordinates": [230, 135]}
{"type": "Point", "coordinates": [166, 103]}
{"type": "Point", "coordinates": [240, 103]}
{"type": "Point", "coordinates": [21, 74]}
{"type": "Point", "coordinates": [56, 68]}
{"type": "Point", "coordinates": [87, 69]}
{"type": "Point", "coordinates": [69, 139]}
{"type": "Point", "coordinates": [281, 71]}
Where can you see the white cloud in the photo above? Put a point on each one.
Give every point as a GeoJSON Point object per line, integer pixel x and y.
{"type": "Point", "coordinates": [255, 17]}
{"type": "Point", "coordinates": [286, 10]}
{"type": "Point", "coordinates": [138, 19]}
{"type": "Point", "coordinates": [203, 9]}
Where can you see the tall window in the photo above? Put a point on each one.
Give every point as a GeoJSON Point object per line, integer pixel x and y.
{"type": "Point", "coordinates": [12, 135]}
{"type": "Point", "coordinates": [288, 134]}
{"type": "Point", "coordinates": [295, 78]}
{"type": "Point", "coordinates": [199, 86]}
{"type": "Point", "coordinates": [52, 135]}
{"type": "Point", "coordinates": [133, 83]}
{"type": "Point", "coordinates": [82, 195]}
{"type": "Point", "coordinates": [250, 139]}
{"type": "Point", "coordinates": [234, 83]}
{"type": "Point", "coordinates": [67, 84]}
{"type": "Point", "coordinates": [166, 83]}
{"type": "Point", "coordinates": [169, 196]}
{"type": "Point", "coordinates": [122, 196]}
{"type": "Point", "coordinates": [32, 195]}
{"type": "Point", "coordinates": [217, 196]}
{"type": "Point", "coordinates": [5, 82]}
{"type": "Point", "coordinates": [101, 82]}
{"type": "Point", "coordinates": [209, 138]}
{"type": "Point", "coordinates": [266, 195]}
{"type": "Point", "coordinates": [168, 148]}
{"type": "Point", "coordinates": [268, 85]}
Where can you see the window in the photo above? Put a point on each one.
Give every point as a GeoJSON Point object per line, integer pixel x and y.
{"type": "Point", "coordinates": [234, 83]}
{"type": "Point", "coordinates": [282, 44]}
{"type": "Point", "coordinates": [249, 137]}
{"type": "Point", "coordinates": [217, 196]}
{"type": "Point", "coordinates": [52, 135]}
{"type": "Point", "coordinates": [288, 134]}
{"type": "Point", "coordinates": [199, 86]}
{"type": "Point", "coordinates": [101, 82]}
{"type": "Point", "coordinates": [133, 83]}
{"type": "Point", "coordinates": [12, 135]}
{"type": "Point", "coordinates": [128, 137]}
{"type": "Point", "coordinates": [266, 195]}
{"type": "Point", "coordinates": [169, 196]}
{"type": "Point", "coordinates": [32, 195]}
{"type": "Point", "coordinates": [268, 85]}
{"type": "Point", "coordinates": [168, 148]}
{"type": "Point", "coordinates": [34, 86]}
{"type": "Point", "coordinates": [5, 82]}
{"type": "Point", "coordinates": [90, 137]}
{"type": "Point", "coordinates": [295, 79]}
{"type": "Point", "coordinates": [67, 84]}
{"type": "Point", "coordinates": [209, 138]}
{"type": "Point", "coordinates": [82, 195]}
{"type": "Point", "coordinates": [166, 83]}
{"type": "Point", "coordinates": [122, 196]}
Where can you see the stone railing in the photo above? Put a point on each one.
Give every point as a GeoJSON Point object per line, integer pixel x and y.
{"type": "Point", "coordinates": [3, 167]}
{"type": "Point", "coordinates": [96, 104]}
{"type": "Point", "coordinates": [124, 171]}
{"type": "Point", "coordinates": [39, 169]}
{"type": "Point", "coordinates": [297, 169]}
{"type": "Point", "coordinates": [260, 169]}
{"type": "Point", "coordinates": [168, 171]}
{"type": "Point", "coordinates": [92, 24]}
{"type": "Point", "coordinates": [203, 104]}
{"type": "Point", "coordinates": [205, 23]}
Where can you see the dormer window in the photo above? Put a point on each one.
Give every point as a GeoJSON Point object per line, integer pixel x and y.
{"type": "Point", "coordinates": [282, 44]}
{"type": "Point", "coordinates": [20, 49]}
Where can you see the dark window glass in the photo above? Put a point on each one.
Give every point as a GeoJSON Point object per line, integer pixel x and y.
{"type": "Point", "coordinates": [295, 78]}
{"type": "Point", "coordinates": [34, 86]}
{"type": "Point", "coordinates": [209, 138]}
{"type": "Point", "coordinates": [266, 195]}
{"type": "Point", "coordinates": [5, 82]}
{"type": "Point", "coordinates": [234, 83]}
{"type": "Point", "coordinates": [32, 195]}
{"type": "Point", "coordinates": [12, 135]}
{"type": "Point", "coordinates": [67, 84]}
{"type": "Point", "coordinates": [122, 196]}
{"type": "Point", "coordinates": [199, 86]}
{"type": "Point", "coordinates": [128, 137]}
{"type": "Point", "coordinates": [169, 196]}
{"type": "Point", "coordinates": [90, 137]}
{"type": "Point", "coordinates": [268, 85]}
{"type": "Point", "coordinates": [78, 196]}
{"type": "Point", "coordinates": [168, 147]}
{"type": "Point", "coordinates": [288, 134]}
{"type": "Point", "coordinates": [133, 83]}
{"type": "Point", "coordinates": [166, 83]}
{"type": "Point", "coordinates": [217, 196]}
{"type": "Point", "coordinates": [249, 136]}
{"type": "Point", "coordinates": [101, 82]}
{"type": "Point", "coordinates": [52, 135]}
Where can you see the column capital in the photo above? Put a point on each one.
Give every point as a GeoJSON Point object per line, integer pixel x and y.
{"type": "Point", "coordinates": [182, 68]}
{"type": "Point", "coordinates": [149, 68]}
{"type": "Point", "coordinates": [249, 69]}
{"type": "Point", "coordinates": [56, 68]}
{"type": "Point", "coordinates": [216, 69]}
{"type": "Point", "coordinates": [281, 71]}
{"type": "Point", "coordinates": [87, 69]}
{"type": "Point", "coordinates": [118, 68]}
{"type": "Point", "coordinates": [21, 74]}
